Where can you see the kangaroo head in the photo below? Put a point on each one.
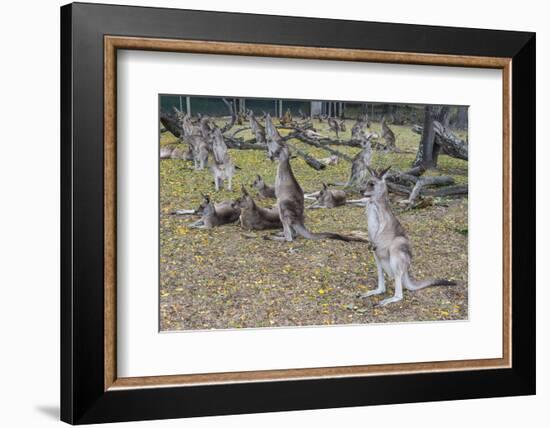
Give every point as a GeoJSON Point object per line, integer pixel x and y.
{"type": "Point", "coordinates": [323, 192]}
{"type": "Point", "coordinates": [206, 206]}
{"type": "Point", "coordinates": [282, 153]}
{"type": "Point", "coordinates": [376, 187]}
{"type": "Point", "coordinates": [245, 201]}
{"type": "Point", "coordinates": [258, 182]}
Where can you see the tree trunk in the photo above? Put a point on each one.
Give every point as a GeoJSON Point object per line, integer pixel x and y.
{"type": "Point", "coordinates": [428, 151]}
{"type": "Point", "coordinates": [462, 118]}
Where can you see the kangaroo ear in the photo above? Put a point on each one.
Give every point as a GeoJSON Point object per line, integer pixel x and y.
{"type": "Point", "coordinates": [372, 172]}
{"type": "Point", "coordinates": [243, 189]}
{"type": "Point", "coordinates": [259, 177]}
{"type": "Point", "coordinates": [384, 172]}
{"type": "Point", "coordinates": [324, 185]}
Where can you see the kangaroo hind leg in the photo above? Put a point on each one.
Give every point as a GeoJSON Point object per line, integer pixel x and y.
{"type": "Point", "coordinates": [381, 281]}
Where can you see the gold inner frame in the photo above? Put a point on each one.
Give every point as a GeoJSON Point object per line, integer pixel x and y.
{"type": "Point", "coordinates": [113, 43]}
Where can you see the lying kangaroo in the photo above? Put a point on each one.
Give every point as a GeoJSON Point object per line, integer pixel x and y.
{"type": "Point", "coordinates": [176, 151]}
{"type": "Point", "coordinates": [219, 206]}
{"type": "Point", "coordinates": [392, 248]}
{"type": "Point", "coordinates": [213, 216]}
{"type": "Point", "coordinates": [264, 190]}
{"type": "Point", "coordinates": [290, 200]}
{"type": "Point", "coordinates": [327, 198]}
{"type": "Point", "coordinates": [223, 168]}
{"type": "Point", "coordinates": [254, 217]}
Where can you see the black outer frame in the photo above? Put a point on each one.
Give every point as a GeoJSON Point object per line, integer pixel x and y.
{"type": "Point", "coordinates": [83, 399]}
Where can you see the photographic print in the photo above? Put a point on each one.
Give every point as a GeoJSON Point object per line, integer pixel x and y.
{"type": "Point", "coordinates": [287, 213]}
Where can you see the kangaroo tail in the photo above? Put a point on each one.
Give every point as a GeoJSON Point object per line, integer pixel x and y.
{"type": "Point", "coordinates": [412, 284]}
{"type": "Point", "coordinates": [303, 232]}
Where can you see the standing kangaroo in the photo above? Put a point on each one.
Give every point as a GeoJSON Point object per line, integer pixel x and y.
{"type": "Point", "coordinates": [361, 163]}
{"type": "Point", "coordinates": [388, 135]}
{"type": "Point", "coordinates": [264, 190]}
{"type": "Point", "coordinates": [197, 143]}
{"type": "Point", "coordinates": [257, 129]}
{"type": "Point", "coordinates": [392, 248]}
{"type": "Point", "coordinates": [273, 138]}
{"type": "Point", "coordinates": [254, 217]}
{"type": "Point", "coordinates": [290, 200]}
{"type": "Point", "coordinates": [223, 168]}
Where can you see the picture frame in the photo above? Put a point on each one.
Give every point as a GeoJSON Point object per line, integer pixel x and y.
{"type": "Point", "coordinates": [91, 391]}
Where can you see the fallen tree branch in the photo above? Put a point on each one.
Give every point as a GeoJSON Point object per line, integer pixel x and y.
{"type": "Point", "coordinates": [311, 161]}
{"type": "Point", "coordinates": [427, 181]}
{"type": "Point", "coordinates": [301, 137]}
{"type": "Point", "coordinates": [450, 143]}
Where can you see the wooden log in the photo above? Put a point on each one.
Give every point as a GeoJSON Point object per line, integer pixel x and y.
{"type": "Point", "coordinates": [427, 181]}
{"type": "Point", "coordinates": [450, 143]}
{"type": "Point", "coordinates": [301, 137]}
{"type": "Point", "coordinates": [311, 161]}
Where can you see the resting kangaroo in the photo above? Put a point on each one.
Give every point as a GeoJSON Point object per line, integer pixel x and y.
{"type": "Point", "coordinates": [254, 217]}
{"type": "Point", "coordinates": [327, 198]}
{"type": "Point", "coordinates": [392, 248]}
{"type": "Point", "coordinates": [213, 216]}
{"type": "Point", "coordinates": [264, 190]}
{"type": "Point", "coordinates": [290, 200]}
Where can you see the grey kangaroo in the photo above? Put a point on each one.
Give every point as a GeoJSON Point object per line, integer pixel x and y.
{"type": "Point", "coordinates": [257, 129]}
{"type": "Point", "coordinates": [388, 135]}
{"type": "Point", "coordinates": [225, 205]}
{"type": "Point", "coordinates": [361, 163]}
{"type": "Point", "coordinates": [222, 168]}
{"type": "Point", "coordinates": [264, 190]}
{"type": "Point", "coordinates": [290, 200]}
{"type": "Point", "coordinates": [327, 198]}
{"type": "Point", "coordinates": [213, 216]}
{"type": "Point", "coordinates": [254, 217]}
{"type": "Point", "coordinates": [197, 143]}
{"type": "Point", "coordinates": [392, 248]}
{"type": "Point", "coordinates": [273, 138]}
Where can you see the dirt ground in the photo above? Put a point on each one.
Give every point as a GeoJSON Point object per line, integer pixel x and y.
{"type": "Point", "coordinates": [231, 278]}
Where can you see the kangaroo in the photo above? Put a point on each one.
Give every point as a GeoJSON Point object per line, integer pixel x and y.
{"type": "Point", "coordinates": [176, 151]}
{"type": "Point", "coordinates": [213, 217]}
{"type": "Point", "coordinates": [327, 198]}
{"type": "Point", "coordinates": [335, 126]}
{"type": "Point", "coordinates": [254, 217]}
{"type": "Point", "coordinates": [223, 168]}
{"type": "Point", "coordinates": [197, 143]}
{"type": "Point", "coordinates": [290, 201]}
{"type": "Point", "coordinates": [273, 138]}
{"type": "Point", "coordinates": [388, 135]}
{"type": "Point", "coordinates": [392, 248]}
{"type": "Point", "coordinates": [358, 129]}
{"type": "Point", "coordinates": [257, 129]}
{"type": "Point", "coordinates": [360, 164]}
{"type": "Point", "coordinates": [264, 190]}
{"type": "Point", "coordinates": [220, 206]}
